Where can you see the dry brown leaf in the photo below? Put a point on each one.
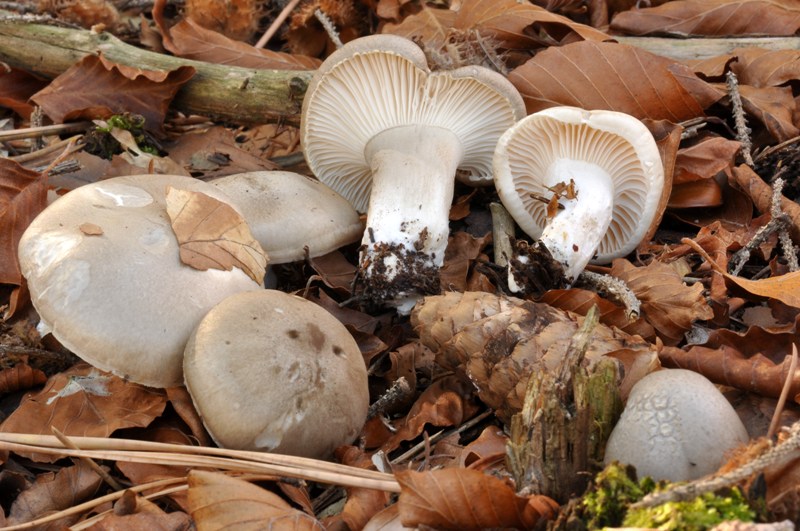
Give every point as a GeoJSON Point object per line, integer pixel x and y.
{"type": "Point", "coordinates": [237, 19]}
{"type": "Point", "coordinates": [755, 362]}
{"type": "Point", "coordinates": [667, 303]}
{"type": "Point", "coordinates": [19, 378]}
{"type": "Point", "coordinates": [219, 502]}
{"type": "Point", "coordinates": [192, 41]}
{"type": "Point", "coordinates": [704, 159]}
{"type": "Point", "coordinates": [783, 288]}
{"type": "Point", "coordinates": [362, 504]}
{"type": "Point", "coordinates": [774, 107]}
{"type": "Point", "coordinates": [387, 520]}
{"type": "Point", "coordinates": [757, 67]}
{"type": "Point", "coordinates": [53, 492]}
{"type": "Point", "coordinates": [603, 75]}
{"type": "Point", "coordinates": [93, 89]}
{"type": "Point", "coordinates": [132, 512]}
{"type": "Point", "coordinates": [90, 229]}
{"type": "Point", "coordinates": [215, 152]}
{"type": "Point", "coordinates": [83, 401]}
{"type": "Point", "coordinates": [712, 17]}
{"type": "Point", "coordinates": [23, 194]}
{"type": "Point", "coordinates": [446, 402]}
{"type": "Point", "coordinates": [580, 301]}
{"type": "Point", "coordinates": [705, 193]}
{"type": "Point", "coordinates": [16, 88]}
{"type": "Point", "coordinates": [464, 499]}
{"type": "Point", "coordinates": [510, 25]}
{"type": "Point", "coordinates": [461, 252]}
{"type": "Point", "coordinates": [212, 235]}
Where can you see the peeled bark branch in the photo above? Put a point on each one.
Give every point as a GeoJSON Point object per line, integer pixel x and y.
{"type": "Point", "coordinates": [221, 92]}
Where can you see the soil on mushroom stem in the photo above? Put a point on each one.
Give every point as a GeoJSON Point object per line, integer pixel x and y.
{"type": "Point", "coordinates": [534, 268]}
{"type": "Point", "coordinates": [415, 274]}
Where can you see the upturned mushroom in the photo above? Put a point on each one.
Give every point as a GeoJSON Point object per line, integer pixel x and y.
{"type": "Point", "coordinates": [292, 216]}
{"type": "Point", "coordinates": [676, 426]}
{"type": "Point", "coordinates": [103, 269]}
{"type": "Point", "coordinates": [586, 184]}
{"type": "Point", "coordinates": [273, 372]}
{"type": "Point", "coordinates": [391, 136]}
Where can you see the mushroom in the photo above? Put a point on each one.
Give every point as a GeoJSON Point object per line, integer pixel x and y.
{"type": "Point", "coordinates": [676, 426]}
{"type": "Point", "coordinates": [586, 184]}
{"type": "Point", "coordinates": [103, 269]}
{"type": "Point", "coordinates": [274, 372]}
{"type": "Point", "coordinates": [291, 214]}
{"type": "Point", "coordinates": [390, 136]}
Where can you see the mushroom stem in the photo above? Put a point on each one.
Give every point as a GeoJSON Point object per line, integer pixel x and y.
{"type": "Point", "coordinates": [574, 233]}
{"type": "Point", "coordinates": [403, 247]}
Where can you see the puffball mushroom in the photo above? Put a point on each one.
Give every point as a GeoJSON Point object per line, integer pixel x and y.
{"type": "Point", "coordinates": [288, 212]}
{"type": "Point", "coordinates": [103, 269]}
{"type": "Point", "coordinates": [676, 425]}
{"type": "Point", "coordinates": [274, 372]}
{"type": "Point", "coordinates": [608, 159]}
{"type": "Point", "coordinates": [390, 136]}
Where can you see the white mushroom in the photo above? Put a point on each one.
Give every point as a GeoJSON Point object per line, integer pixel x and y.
{"type": "Point", "coordinates": [274, 372]}
{"type": "Point", "coordinates": [103, 268]}
{"type": "Point", "coordinates": [386, 133]}
{"type": "Point", "coordinates": [291, 214]}
{"type": "Point", "coordinates": [608, 158]}
{"type": "Point", "coordinates": [676, 426]}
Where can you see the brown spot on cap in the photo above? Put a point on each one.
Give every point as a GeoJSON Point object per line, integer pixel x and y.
{"type": "Point", "coordinates": [316, 335]}
{"type": "Point", "coordinates": [294, 334]}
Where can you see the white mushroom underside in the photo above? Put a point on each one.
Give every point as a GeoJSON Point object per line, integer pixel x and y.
{"type": "Point", "coordinates": [375, 91]}
{"type": "Point", "coordinates": [535, 144]}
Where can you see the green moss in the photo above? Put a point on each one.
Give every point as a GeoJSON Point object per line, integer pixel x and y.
{"type": "Point", "coordinates": [616, 488]}
{"type": "Point", "coordinates": [100, 142]}
{"type": "Point", "coordinates": [703, 512]}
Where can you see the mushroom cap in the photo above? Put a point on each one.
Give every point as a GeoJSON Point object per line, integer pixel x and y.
{"type": "Point", "coordinates": [121, 300]}
{"type": "Point", "coordinates": [616, 142]}
{"type": "Point", "coordinates": [274, 372]}
{"type": "Point", "coordinates": [287, 211]}
{"type": "Point", "coordinates": [382, 81]}
{"type": "Point", "coordinates": [676, 426]}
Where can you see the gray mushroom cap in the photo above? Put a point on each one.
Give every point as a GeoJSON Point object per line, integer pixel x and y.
{"type": "Point", "coordinates": [121, 300]}
{"type": "Point", "coordinates": [288, 212]}
{"type": "Point", "coordinates": [382, 81]}
{"type": "Point", "coordinates": [676, 426]}
{"type": "Point", "coordinates": [274, 372]}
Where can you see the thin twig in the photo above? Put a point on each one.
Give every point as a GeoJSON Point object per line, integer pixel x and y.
{"type": "Point", "coordinates": [616, 289]}
{"type": "Point", "coordinates": [105, 476]}
{"type": "Point", "coordinates": [439, 435]}
{"type": "Point", "coordinates": [276, 24]}
{"type": "Point", "coordinates": [740, 121]}
{"type": "Point", "coordinates": [787, 385]}
{"type": "Point", "coordinates": [329, 26]}
{"type": "Point", "coordinates": [49, 149]}
{"type": "Point", "coordinates": [45, 130]}
{"type": "Point", "coordinates": [397, 393]}
{"type": "Point", "coordinates": [784, 452]}
{"type": "Point", "coordinates": [502, 232]}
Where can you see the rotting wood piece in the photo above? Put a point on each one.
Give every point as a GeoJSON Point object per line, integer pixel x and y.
{"type": "Point", "coordinates": [221, 92]}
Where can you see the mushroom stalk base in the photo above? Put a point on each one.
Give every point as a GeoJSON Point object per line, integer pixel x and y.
{"type": "Point", "coordinates": [403, 247]}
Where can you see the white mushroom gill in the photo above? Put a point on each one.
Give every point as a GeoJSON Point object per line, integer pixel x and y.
{"type": "Point", "coordinates": [390, 136]}
{"type": "Point", "coordinates": [614, 163]}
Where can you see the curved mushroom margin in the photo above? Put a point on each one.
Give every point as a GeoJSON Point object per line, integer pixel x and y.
{"type": "Point", "coordinates": [379, 128]}
{"type": "Point", "coordinates": [530, 158]}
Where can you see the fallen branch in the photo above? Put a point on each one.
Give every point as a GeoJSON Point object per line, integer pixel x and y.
{"type": "Point", "coordinates": [221, 92]}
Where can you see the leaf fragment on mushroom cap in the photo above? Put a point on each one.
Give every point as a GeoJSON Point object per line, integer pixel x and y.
{"type": "Point", "coordinates": [212, 235]}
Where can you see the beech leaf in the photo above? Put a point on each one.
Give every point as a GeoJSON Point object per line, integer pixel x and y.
{"type": "Point", "coordinates": [23, 194]}
{"type": "Point", "coordinates": [96, 88]}
{"type": "Point", "coordinates": [784, 288]}
{"type": "Point", "coordinates": [192, 41]}
{"type": "Point", "coordinates": [618, 77]}
{"type": "Point", "coordinates": [667, 302]}
{"type": "Point", "coordinates": [217, 501]}
{"type": "Point", "coordinates": [86, 402]}
{"type": "Point", "coordinates": [712, 17]}
{"type": "Point", "coordinates": [212, 235]}
{"type": "Point", "coordinates": [463, 499]}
